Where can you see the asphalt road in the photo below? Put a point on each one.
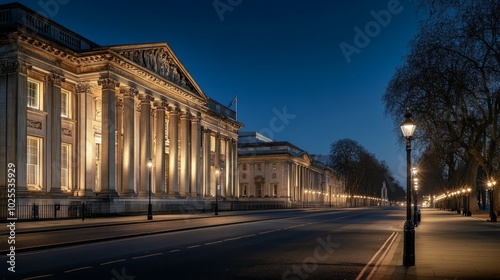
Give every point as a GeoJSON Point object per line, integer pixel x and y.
{"type": "Point", "coordinates": [337, 244]}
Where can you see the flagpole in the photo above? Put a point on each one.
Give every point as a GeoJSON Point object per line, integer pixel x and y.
{"type": "Point", "coordinates": [236, 107]}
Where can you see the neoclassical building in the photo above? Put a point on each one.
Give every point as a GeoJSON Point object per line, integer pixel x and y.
{"type": "Point", "coordinates": [282, 171]}
{"type": "Point", "coordinates": [83, 120]}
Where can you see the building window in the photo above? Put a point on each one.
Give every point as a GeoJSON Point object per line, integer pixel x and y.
{"type": "Point", "coordinates": [275, 190]}
{"type": "Point", "coordinates": [244, 190]}
{"type": "Point", "coordinates": [34, 156]}
{"type": "Point", "coordinates": [65, 167]}
{"type": "Point", "coordinates": [259, 189]}
{"type": "Point", "coordinates": [259, 167]}
{"type": "Point", "coordinates": [34, 100]}
{"type": "Point", "coordinates": [244, 166]}
{"type": "Point", "coordinates": [65, 104]}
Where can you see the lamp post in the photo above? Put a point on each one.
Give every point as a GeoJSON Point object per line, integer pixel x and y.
{"type": "Point", "coordinates": [408, 127]}
{"type": "Point", "coordinates": [217, 186]}
{"type": "Point", "coordinates": [468, 213]}
{"type": "Point", "coordinates": [491, 185]}
{"type": "Point", "coordinates": [150, 207]}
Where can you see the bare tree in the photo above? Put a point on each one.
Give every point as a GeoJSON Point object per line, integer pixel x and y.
{"type": "Point", "coordinates": [451, 82]}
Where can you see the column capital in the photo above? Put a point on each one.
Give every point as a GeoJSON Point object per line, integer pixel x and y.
{"type": "Point", "coordinates": [185, 114]}
{"type": "Point", "coordinates": [145, 98]}
{"type": "Point", "coordinates": [206, 130]}
{"type": "Point", "coordinates": [108, 83]}
{"type": "Point", "coordinates": [56, 79]}
{"type": "Point", "coordinates": [160, 104]}
{"type": "Point", "coordinates": [195, 117]}
{"type": "Point", "coordinates": [82, 88]}
{"type": "Point", "coordinates": [130, 92]}
{"type": "Point", "coordinates": [12, 66]}
{"type": "Point", "coordinates": [173, 109]}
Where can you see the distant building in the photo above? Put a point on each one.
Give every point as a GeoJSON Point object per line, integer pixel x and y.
{"type": "Point", "coordinates": [82, 120]}
{"type": "Point", "coordinates": [282, 171]}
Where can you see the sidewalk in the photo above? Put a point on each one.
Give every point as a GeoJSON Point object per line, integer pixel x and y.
{"type": "Point", "coordinates": [447, 246]}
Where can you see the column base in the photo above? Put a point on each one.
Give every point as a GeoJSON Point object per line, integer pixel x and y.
{"type": "Point", "coordinates": [108, 193]}
{"type": "Point", "coordinates": [142, 193]}
{"type": "Point", "coordinates": [160, 194]}
{"type": "Point", "coordinates": [128, 194]}
{"type": "Point", "coordinates": [58, 193]}
{"type": "Point", "coordinates": [83, 193]}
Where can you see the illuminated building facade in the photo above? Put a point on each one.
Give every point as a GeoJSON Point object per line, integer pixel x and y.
{"type": "Point", "coordinates": [270, 170]}
{"type": "Point", "coordinates": [82, 120]}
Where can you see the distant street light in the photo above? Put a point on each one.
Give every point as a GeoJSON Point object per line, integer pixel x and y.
{"type": "Point", "coordinates": [408, 127]}
{"type": "Point", "coordinates": [491, 186]}
{"type": "Point", "coordinates": [415, 206]}
{"type": "Point", "coordinates": [150, 207]}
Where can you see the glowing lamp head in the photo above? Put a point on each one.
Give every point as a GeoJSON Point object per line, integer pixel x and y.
{"type": "Point", "coordinates": [150, 163]}
{"type": "Point", "coordinates": [408, 126]}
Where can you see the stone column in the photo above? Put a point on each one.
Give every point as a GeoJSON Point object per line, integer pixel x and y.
{"type": "Point", "coordinates": [229, 168]}
{"type": "Point", "coordinates": [13, 131]}
{"type": "Point", "coordinates": [160, 148]}
{"type": "Point", "coordinates": [54, 117]}
{"type": "Point", "coordinates": [85, 140]}
{"type": "Point", "coordinates": [119, 143]}
{"type": "Point", "coordinates": [300, 182]}
{"type": "Point", "coordinates": [206, 162]}
{"type": "Point", "coordinates": [108, 184]}
{"type": "Point", "coordinates": [128, 165]}
{"type": "Point", "coordinates": [217, 164]}
{"type": "Point", "coordinates": [144, 143]}
{"type": "Point", "coordinates": [184, 155]}
{"type": "Point", "coordinates": [195, 189]}
{"type": "Point", "coordinates": [173, 165]}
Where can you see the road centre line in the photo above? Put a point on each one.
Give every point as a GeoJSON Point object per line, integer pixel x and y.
{"type": "Point", "coordinates": [77, 269]}
{"type": "Point", "coordinates": [174, 251]}
{"type": "Point", "coordinates": [215, 242]}
{"type": "Point", "coordinates": [115, 261]}
{"type": "Point", "coordinates": [146, 256]}
{"type": "Point", "coordinates": [231, 239]}
{"type": "Point", "coordinates": [39, 277]}
{"type": "Point", "coordinates": [194, 246]}
{"type": "Point", "coordinates": [375, 256]}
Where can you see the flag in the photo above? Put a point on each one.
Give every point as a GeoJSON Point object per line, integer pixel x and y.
{"type": "Point", "coordinates": [233, 101]}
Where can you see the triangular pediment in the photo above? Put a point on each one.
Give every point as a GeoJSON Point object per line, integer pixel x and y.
{"type": "Point", "coordinates": [307, 157]}
{"type": "Point", "coordinates": [159, 59]}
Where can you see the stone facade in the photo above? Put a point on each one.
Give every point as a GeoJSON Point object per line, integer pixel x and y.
{"type": "Point", "coordinates": [83, 120]}
{"type": "Point", "coordinates": [281, 171]}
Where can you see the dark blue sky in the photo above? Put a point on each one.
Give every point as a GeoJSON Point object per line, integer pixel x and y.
{"type": "Point", "coordinates": [281, 58]}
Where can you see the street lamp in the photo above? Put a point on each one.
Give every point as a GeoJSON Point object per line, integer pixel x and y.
{"type": "Point", "coordinates": [408, 127]}
{"type": "Point", "coordinates": [491, 186]}
{"type": "Point", "coordinates": [217, 186]}
{"type": "Point", "coordinates": [150, 207]}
